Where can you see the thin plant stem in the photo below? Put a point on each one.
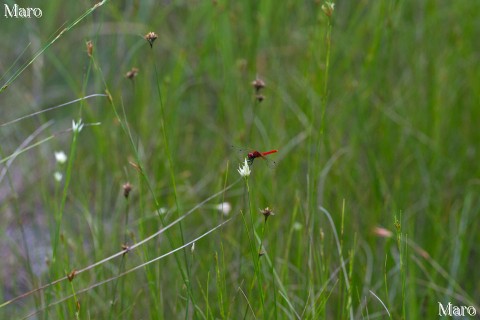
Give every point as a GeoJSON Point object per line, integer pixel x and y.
{"type": "Point", "coordinates": [68, 176]}
{"type": "Point", "coordinates": [253, 251]}
{"type": "Point", "coordinates": [177, 204]}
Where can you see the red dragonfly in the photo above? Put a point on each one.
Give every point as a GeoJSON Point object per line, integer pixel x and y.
{"type": "Point", "coordinates": [252, 155]}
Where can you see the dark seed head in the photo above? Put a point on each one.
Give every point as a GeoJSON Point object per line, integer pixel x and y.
{"type": "Point", "coordinates": [267, 212]}
{"type": "Point", "coordinates": [127, 187]}
{"type": "Point", "coordinates": [258, 84]}
{"type": "Point", "coordinates": [71, 275]}
{"type": "Point", "coordinates": [151, 37]}
{"type": "Point", "coordinates": [132, 73]}
{"type": "Point", "coordinates": [89, 48]}
{"type": "Point", "coordinates": [260, 97]}
{"type": "Point", "coordinates": [125, 248]}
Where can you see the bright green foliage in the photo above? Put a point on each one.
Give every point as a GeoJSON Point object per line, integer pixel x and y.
{"type": "Point", "coordinates": [373, 106]}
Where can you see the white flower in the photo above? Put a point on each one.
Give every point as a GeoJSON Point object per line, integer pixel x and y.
{"type": "Point", "coordinates": [77, 126]}
{"type": "Point", "coordinates": [297, 226]}
{"type": "Point", "coordinates": [60, 156]}
{"type": "Point", "coordinates": [58, 176]}
{"type": "Point", "coordinates": [245, 170]}
{"type": "Point", "coordinates": [193, 247]}
{"type": "Point", "coordinates": [328, 8]}
{"type": "Point", "coordinates": [224, 207]}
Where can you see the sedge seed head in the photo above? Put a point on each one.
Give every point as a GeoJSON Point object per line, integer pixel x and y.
{"type": "Point", "coordinates": [89, 45]}
{"type": "Point", "coordinates": [260, 97]}
{"type": "Point", "coordinates": [127, 187]}
{"type": "Point", "coordinates": [258, 84]}
{"type": "Point", "coordinates": [328, 8]}
{"type": "Point", "coordinates": [267, 212]}
{"type": "Point", "coordinates": [151, 37]}
{"type": "Point", "coordinates": [132, 73]}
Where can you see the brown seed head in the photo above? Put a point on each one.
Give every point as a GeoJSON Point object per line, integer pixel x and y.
{"type": "Point", "coordinates": [132, 73]}
{"type": "Point", "coordinates": [125, 248]}
{"type": "Point", "coordinates": [127, 187]}
{"type": "Point", "coordinates": [328, 8]}
{"type": "Point", "coordinates": [260, 97]}
{"type": "Point", "coordinates": [151, 37]}
{"type": "Point", "coordinates": [71, 275]}
{"type": "Point", "coordinates": [267, 212]}
{"type": "Point", "coordinates": [258, 84]}
{"type": "Point", "coordinates": [89, 48]}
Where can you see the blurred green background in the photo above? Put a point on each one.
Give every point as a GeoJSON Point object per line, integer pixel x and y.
{"type": "Point", "coordinates": [374, 111]}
